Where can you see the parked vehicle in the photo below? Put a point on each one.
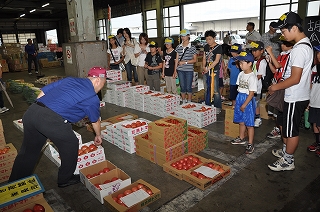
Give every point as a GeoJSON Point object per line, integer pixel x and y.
{"type": "Point", "coordinates": [237, 39]}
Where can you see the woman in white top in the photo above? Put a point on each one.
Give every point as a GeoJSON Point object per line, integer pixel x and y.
{"type": "Point", "coordinates": [129, 59]}
{"type": "Point", "coordinates": [140, 52]}
{"type": "Point", "coordinates": [114, 53]}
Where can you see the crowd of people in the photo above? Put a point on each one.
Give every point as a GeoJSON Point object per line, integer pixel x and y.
{"type": "Point", "coordinates": [273, 62]}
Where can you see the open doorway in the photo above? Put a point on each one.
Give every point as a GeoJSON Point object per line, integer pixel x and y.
{"type": "Point", "coordinates": [51, 36]}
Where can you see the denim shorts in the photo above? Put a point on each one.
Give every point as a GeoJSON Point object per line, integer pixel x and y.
{"type": "Point", "coordinates": [185, 78]}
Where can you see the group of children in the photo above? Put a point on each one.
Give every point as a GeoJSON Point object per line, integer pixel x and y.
{"type": "Point", "coordinates": [291, 73]}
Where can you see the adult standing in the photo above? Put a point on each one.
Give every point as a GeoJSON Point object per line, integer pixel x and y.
{"type": "Point", "coordinates": [252, 34]}
{"type": "Point", "coordinates": [297, 87]}
{"type": "Point", "coordinates": [31, 54]}
{"type": "Point", "coordinates": [140, 52]}
{"type": "Point", "coordinates": [227, 39]}
{"type": "Point", "coordinates": [58, 105]}
{"type": "Point", "coordinates": [114, 53]}
{"type": "Point", "coordinates": [129, 59]}
{"type": "Point", "coordinates": [119, 37]}
{"type": "Point", "coordinates": [271, 38]}
{"type": "Point", "coordinates": [187, 56]}
{"type": "Point", "coordinates": [212, 61]}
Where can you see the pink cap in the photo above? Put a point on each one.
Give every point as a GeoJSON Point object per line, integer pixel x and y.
{"type": "Point", "coordinates": [97, 72]}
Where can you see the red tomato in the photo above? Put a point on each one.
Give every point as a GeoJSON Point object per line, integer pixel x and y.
{"type": "Point", "coordinates": [92, 147]}
{"type": "Point", "coordinates": [115, 199]}
{"type": "Point", "coordinates": [119, 201]}
{"type": "Point", "coordinates": [97, 186]}
{"type": "Point", "coordinates": [85, 151]}
{"type": "Point", "coordinates": [221, 170]}
{"type": "Point", "coordinates": [201, 176]}
{"type": "Point", "coordinates": [94, 175]}
{"type": "Point", "coordinates": [126, 192]}
{"type": "Point", "coordinates": [89, 176]}
{"type": "Point", "coordinates": [134, 125]}
{"type": "Point", "coordinates": [133, 189]}
{"type": "Point", "coordinates": [149, 192]}
{"type": "Point", "coordinates": [190, 157]}
{"type": "Point", "coordinates": [105, 170]}
{"type": "Point", "coordinates": [181, 161]}
{"type": "Point", "coordinates": [194, 164]}
{"type": "Point", "coordinates": [27, 210]}
{"type": "Point", "coordinates": [84, 147]}
{"type": "Point", "coordinates": [107, 181]}
{"type": "Point", "coordinates": [144, 188]}
{"type": "Point", "coordinates": [139, 186]}
{"type": "Point", "coordinates": [80, 152]}
{"type": "Point", "coordinates": [195, 159]}
{"type": "Point", "coordinates": [100, 172]}
{"type": "Point", "coordinates": [173, 164]}
{"type": "Point", "coordinates": [143, 123]}
{"type": "Point", "coordinates": [210, 165]}
{"type": "Point", "coordinates": [194, 173]}
{"type": "Point", "coordinates": [38, 208]}
{"type": "Point", "coordinates": [180, 167]}
{"type": "Point", "coordinates": [120, 195]}
{"type": "Point", "coordinates": [114, 179]}
{"type": "Point", "coordinates": [185, 158]}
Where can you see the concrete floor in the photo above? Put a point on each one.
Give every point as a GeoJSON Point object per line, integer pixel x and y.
{"type": "Point", "coordinates": [251, 186]}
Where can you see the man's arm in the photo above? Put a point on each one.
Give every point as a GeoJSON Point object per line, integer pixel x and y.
{"type": "Point", "coordinates": [97, 129]}
{"type": "Point", "coordinates": [294, 79]}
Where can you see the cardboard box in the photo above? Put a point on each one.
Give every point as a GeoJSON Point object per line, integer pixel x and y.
{"type": "Point", "coordinates": [109, 188]}
{"type": "Point", "coordinates": [179, 173]}
{"type": "Point", "coordinates": [103, 125]}
{"type": "Point", "coordinates": [207, 182]}
{"type": "Point", "coordinates": [2, 139]}
{"type": "Point", "coordinates": [264, 109]}
{"type": "Point", "coordinates": [11, 154]}
{"type": "Point", "coordinates": [94, 169]}
{"type": "Point", "coordinates": [114, 206]}
{"type": "Point", "coordinates": [122, 117]}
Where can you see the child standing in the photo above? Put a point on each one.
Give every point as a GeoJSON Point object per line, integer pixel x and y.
{"type": "Point", "coordinates": [314, 106]}
{"type": "Point", "coordinates": [169, 71]}
{"type": "Point", "coordinates": [234, 72]}
{"type": "Point", "coordinates": [244, 111]}
{"type": "Point", "coordinates": [153, 63]}
{"type": "Point", "coordinates": [259, 68]}
{"type": "Point", "coordinates": [114, 53]}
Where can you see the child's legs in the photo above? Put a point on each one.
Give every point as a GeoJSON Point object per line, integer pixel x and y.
{"type": "Point", "coordinates": [1, 100]}
{"type": "Point", "coordinates": [156, 81]}
{"type": "Point", "coordinates": [150, 82]}
{"type": "Point", "coordinates": [173, 85]}
{"type": "Point", "coordinates": [221, 85]}
{"type": "Point", "coordinates": [250, 134]}
{"type": "Point", "coordinates": [258, 104]}
{"type": "Point", "coordinates": [242, 130]}
{"type": "Point", "coordinates": [168, 84]}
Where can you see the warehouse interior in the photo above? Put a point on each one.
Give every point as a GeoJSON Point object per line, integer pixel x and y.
{"type": "Point", "coordinates": [250, 185]}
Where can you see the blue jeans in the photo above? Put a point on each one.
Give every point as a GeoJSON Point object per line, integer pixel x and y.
{"type": "Point", "coordinates": [129, 69]}
{"type": "Point", "coordinates": [185, 78]}
{"type": "Point", "coordinates": [217, 97]}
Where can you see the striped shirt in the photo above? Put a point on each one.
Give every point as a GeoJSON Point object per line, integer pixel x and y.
{"type": "Point", "coordinates": [190, 52]}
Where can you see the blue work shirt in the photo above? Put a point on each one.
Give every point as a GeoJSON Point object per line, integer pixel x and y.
{"type": "Point", "coordinates": [30, 49]}
{"type": "Point", "coordinates": [72, 98]}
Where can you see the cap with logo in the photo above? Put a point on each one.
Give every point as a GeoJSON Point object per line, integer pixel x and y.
{"type": "Point", "coordinates": [245, 56]}
{"type": "Point", "coordinates": [283, 40]}
{"type": "Point", "coordinates": [111, 36]}
{"type": "Point", "coordinates": [257, 45]}
{"type": "Point", "coordinates": [168, 41]}
{"type": "Point", "coordinates": [184, 32]}
{"type": "Point", "coordinates": [153, 44]}
{"type": "Point", "coordinates": [97, 72]}
{"type": "Point", "coordinates": [286, 19]}
{"type": "Point", "coordinates": [236, 48]}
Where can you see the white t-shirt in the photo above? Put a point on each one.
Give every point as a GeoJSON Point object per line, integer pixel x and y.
{"type": "Point", "coordinates": [247, 82]}
{"type": "Point", "coordinates": [116, 53]}
{"type": "Point", "coordinates": [142, 56]}
{"type": "Point", "coordinates": [261, 71]}
{"type": "Point", "coordinates": [301, 56]}
{"type": "Point", "coordinates": [315, 94]}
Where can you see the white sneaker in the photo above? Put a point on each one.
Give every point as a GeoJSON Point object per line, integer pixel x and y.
{"type": "Point", "coordinates": [281, 165]}
{"type": "Point", "coordinates": [277, 152]}
{"type": "Point", "coordinates": [30, 73]}
{"type": "Point", "coordinates": [4, 109]}
{"type": "Point", "coordinates": [257, 122]}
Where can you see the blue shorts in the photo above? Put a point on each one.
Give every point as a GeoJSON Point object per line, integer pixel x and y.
{"type": "Point", "coordinates": [249, 113]}
{"type": "Point", "coordinates": [233, 92]}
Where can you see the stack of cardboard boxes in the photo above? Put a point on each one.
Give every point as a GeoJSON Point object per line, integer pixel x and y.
{"type": "Point", "coordinates": [8, 154]}
{"type": "Point", "coordinates": [165, 140]}
{"type": "Point", "coordinates": [4, 64]}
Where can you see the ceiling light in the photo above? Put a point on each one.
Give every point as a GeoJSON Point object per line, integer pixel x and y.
{"type": "Point", "coordinates": [31, 11]}
{"type": "Point", "coordinates": [45, 5]}
{"type": "Point", "coordinates": [22, 15]}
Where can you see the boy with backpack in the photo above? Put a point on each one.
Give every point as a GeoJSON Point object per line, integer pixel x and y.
{"type": "Point", "coordinates": [297, 88]}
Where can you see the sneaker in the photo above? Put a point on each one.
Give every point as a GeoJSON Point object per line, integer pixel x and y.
{"type": "Point", "coordinates": [30, 73]}
{"type": "Point", "coordinates": [222, 98]}
{"type": "Point", "coordinates": [249, 149]}
{"type": "Point", "coordinates": [4, 109]}
{"type": "Point", "coordinates": [281, 165]}
{"type": "Point", "coordinates": [218, 111]}
{"type": "Point", "coordinates": [257, 122]}
{"type": "Point", "coordinates": [318, 153]}
{"type": "Point", "coordinates": [313, 147]}
{"type": "Point", "coordinates": [275, 133]}
{"type": "Point", "coordinates": [238, 140]}
{"type": "Point", "coordinates": [277, 152]}
{"type": "Point", "coordinates": [185, 101]}
{"type": "Point", "coordinates": [36, 72]}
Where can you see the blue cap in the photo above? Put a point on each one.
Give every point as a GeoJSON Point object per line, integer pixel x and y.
{"type": "Point", "coordinates": [236, 48]}
{"type": "Point", "coordinates": [184, 32]}
{"type": "Point", "coordinates": [168, 41]}
{"type": "Point", "coordinates": [245, 56]}
{"type": "Point", "coordinates": [317, 48]}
